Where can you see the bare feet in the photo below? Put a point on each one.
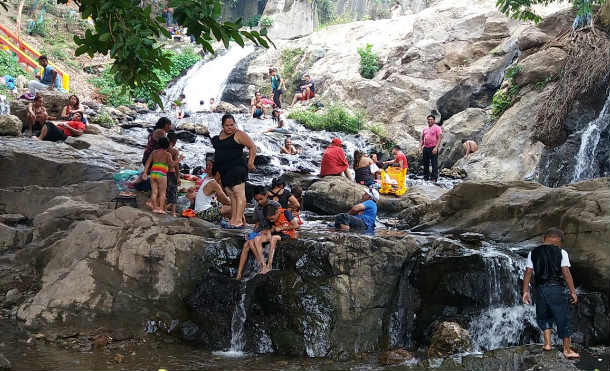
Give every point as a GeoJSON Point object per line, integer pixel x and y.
{"type": "Point", "coordinates": [238, 278]}
{"type": "Point", "coordinates": [570, 354]}
{"type": "Point", "coordinates": [547, 347]}
{"type": "Point", "coordinates": [174, 215]}
{"type": "Point", "coordinates": [159, 211]}
{"type": "Point", "coordinates": [265, 270]}
{"type": "Point", "coordinates": [35, 137]}
{"type": "Point", "coordinates": [150, 205]}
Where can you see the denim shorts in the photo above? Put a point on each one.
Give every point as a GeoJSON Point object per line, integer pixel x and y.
{"type": "Point", "coordinates": [552, 306]}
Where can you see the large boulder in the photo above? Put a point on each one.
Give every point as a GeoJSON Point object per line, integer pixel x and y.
{"type": "Point", "coordinates": [98, 274]}
{"type": "Point", "coordinates": [449, 338]}
{"type": "Point", "coordinates": [467, 124]}
{"type": "Point", "coordinates": [506, 151]}
{"type": "Point", "coordinates": [10, 125]}
{"type": "Point", "coordinates": [50, 164]}
{"type": "Point", "coordinates": [290, 19]}
{"type": "Point", "coordinates": [520, 212]}
{"type": "Point", "coordinates": [14, 236]}
{"type": "Point", "coordinates": [542, 65]}
{"type": "Point", "coordinates": [60, 215]}
{"type": "Point", "coordinates": [333, 195]}
{"type": "Point", "coordinates": [532, 37]}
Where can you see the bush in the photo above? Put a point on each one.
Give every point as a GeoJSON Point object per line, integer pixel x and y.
{"type": "Point", "coordinates": [369, 64]}
{"type": "Point", "coordinates": [266, 21]}
{"type": "Point", "coordinates": [10, 66]}
{"type": "Point", "coordinates": [116, 95]}
{"type": "Point", "coordinates": [503, 100]}
{"type": "Point", "coordinates": [336, 118]}
{"type": "Point", "coordinates": [290, 59]}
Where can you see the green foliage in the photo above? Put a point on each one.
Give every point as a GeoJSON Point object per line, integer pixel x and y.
{"type": "Point", "coordinates": [369, 63]}
{"type": "Point", "coordinates": [345, 18]}
{"type": "Point", "coordinates": [336, 118]}
{"type": "Point", "coordinates": [540, 85]}
{"type": "Point", "coordinates": [10, 66]}
{"type": "Point", "coordinates": [522, 9]}
{"type": "Point", "coordinates": [128, 34]}
{"type": "Point", "coordinates": [326, 11]}
{"type": "Point", "coordinates": [115, 93]}
{"type": "Point", "coordinates": [104, 119]}
{"type": "Point", "coordinates": [266, 21]}
{"type": "Point", "coordinates": [503, 100]}
{"type": "Point", "coordinates": [290, 59]}
{"type": "Point", "coordinates": [378, 129]}
{"type": "Point", "coordinates": [512, 71]}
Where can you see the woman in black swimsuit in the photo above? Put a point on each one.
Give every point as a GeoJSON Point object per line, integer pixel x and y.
{"type": "Point", "coordinates": [230, 162]}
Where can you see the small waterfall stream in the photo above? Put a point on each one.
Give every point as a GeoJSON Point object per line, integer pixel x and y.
{"type": "Point", "coordinates": [586, 166]}
{"type": "Point", "coordinates": [506, 320]}
{"type": "Point", "coordinates": [206, 79]}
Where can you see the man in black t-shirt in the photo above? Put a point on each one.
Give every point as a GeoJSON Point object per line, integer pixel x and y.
{"type": "Point", "coordinates": [551, 267]}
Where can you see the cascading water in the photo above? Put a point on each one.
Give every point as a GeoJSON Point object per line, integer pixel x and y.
{"type": "Point", "coordinates": [505, 321]}
{"type": "Point", "coordinates": [586, 166]}
{"type": "Point", "coordinates": [206, 79]}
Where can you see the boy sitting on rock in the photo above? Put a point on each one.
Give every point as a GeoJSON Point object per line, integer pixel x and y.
{"type": "Point", "coordinates": [283, 226]}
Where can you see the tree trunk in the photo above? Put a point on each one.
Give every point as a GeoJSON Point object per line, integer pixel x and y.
{"type": "Point", "coordinates": [19, 11]}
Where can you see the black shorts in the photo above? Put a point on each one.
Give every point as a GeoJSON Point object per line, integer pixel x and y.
{"type": "Point", "coordinates": [54, 134]}
{"type": "Point", "coordinates": [234, 176]}
{"type": "Point", "coordinates": [171, 192]}
{"type": "Point", "coordinates": [37, 126]}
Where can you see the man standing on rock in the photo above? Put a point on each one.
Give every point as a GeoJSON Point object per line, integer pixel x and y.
{"type": "Point", "coordinates": [551, 266]}
{"type": "Point", "coordinates": [431, 138]}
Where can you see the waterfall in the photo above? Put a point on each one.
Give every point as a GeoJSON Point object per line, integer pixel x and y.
{"type": "Point", "coordinates": [206, 79]}
{"type": "Point", "coordinates": [586, 164]}
{"type": "Point", "coordinates": [506, 321]}
{"type": "Point", "coordinates": [238, 320]}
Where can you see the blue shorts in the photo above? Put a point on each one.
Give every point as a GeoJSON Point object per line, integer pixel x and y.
{"type": "Point", "coordinates": [252, 235]}
{"type": "Point", "coordinates": [552, 306]}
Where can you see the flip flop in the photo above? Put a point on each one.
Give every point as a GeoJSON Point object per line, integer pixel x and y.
{"type": "Point", "coordinates": [226, 225]}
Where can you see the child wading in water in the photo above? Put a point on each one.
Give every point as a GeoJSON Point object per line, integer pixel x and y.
{"type": "Point", "coordinates": [159, 162]}
{"type": "Point", "coordinates": [173, 178]}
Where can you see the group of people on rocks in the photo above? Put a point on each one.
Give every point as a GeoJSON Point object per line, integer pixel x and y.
{"type": "Point", "coordinates": [73, 121]}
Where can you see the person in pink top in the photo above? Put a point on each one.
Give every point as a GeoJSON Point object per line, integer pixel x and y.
{"type": "Point", "coordinates": [431, 138]}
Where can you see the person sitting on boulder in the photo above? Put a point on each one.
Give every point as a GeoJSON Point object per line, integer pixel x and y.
{"type": "Point", "coordinates": [283, 227]}
{"type": "Point", "coordinates": [308, 91]}
{"type": "Point", "coordinates": [61, 131]}
{"type": "Point", "coordinates": [288, 148]}
{"type": "Point", "coordinates": [72, 108]}
{"type": "Point", "coordinates": [551, 267]}
{"type": "Point", "coordinates": [256, 106]}
{"type": "Point", "coordinates": [361, 217]}
{"type": "Point", "coordinates": [48, 79]}
{"type": "Point", "coordinates": [262, 226]}
{"type": "Point", "coordinates": [470, 146]}
{"type": "Point", "coordinates": [211, 202]}
{"type": "Point", "coordinates": [36, 115]}
{"type": "Point", "coordinates": [280, 194]}
{"type": "Point", "coordinates": [362, 168]}
{"type": "Point", "coordinates": [334, 162]}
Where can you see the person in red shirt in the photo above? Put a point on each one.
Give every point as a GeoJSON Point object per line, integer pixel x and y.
{"type": "Point", "coordinates": [399, 158]}
{"type": "Point", "coordinates": [59, 132]}
{"type": "Point", "coordinates": [333, 160]}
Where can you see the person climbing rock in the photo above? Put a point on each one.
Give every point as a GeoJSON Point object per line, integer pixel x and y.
{"type": "Point", "coordinates": [431, 138]}
{"type": "Point", "coordinates": [550, 265]}
{"type": "Point", "coordinates": [361, 217]}
{"type": "Point", "coordinates": [470, 146]}
{"type": "Point", "coordinates": [333, 160]}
